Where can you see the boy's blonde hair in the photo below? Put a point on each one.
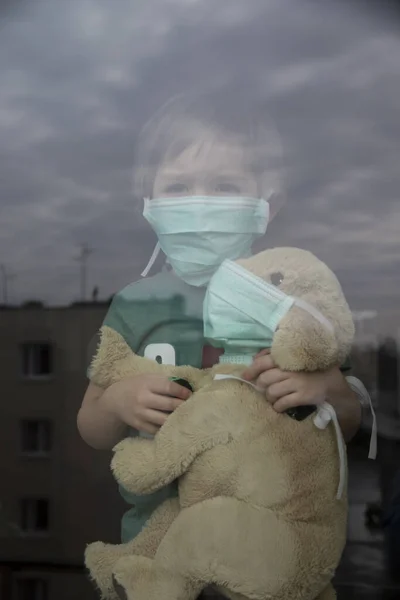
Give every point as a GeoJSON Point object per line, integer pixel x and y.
{"type": "Point", "coordinates": [202, 120]}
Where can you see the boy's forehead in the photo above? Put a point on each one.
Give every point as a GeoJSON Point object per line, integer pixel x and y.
{"type": "Point", "coordinates": [208, 156]}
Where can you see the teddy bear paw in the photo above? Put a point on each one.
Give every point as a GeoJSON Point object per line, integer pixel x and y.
{"type": "Point", "coordinates": [100, 560]}
{"type": "Point", "coordinates": [132, 577]}
{"type": "Point", "coordinates": [139, 578]}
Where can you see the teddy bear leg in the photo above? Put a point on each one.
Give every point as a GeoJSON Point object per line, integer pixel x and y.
{"type": "Point", "coordinates": [244, 551]}
{"type": "Point", "coordinates": [328, 593]}
{"type": "Point", "coordinates": [142, 578]}
{"type": "Point", "coordinates": [100, 558]}
{"type": "Point", "coordinates": [221, 541]}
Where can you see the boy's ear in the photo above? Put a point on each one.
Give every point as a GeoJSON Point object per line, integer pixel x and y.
{"type": "Point", "coordinates": [276, 202]}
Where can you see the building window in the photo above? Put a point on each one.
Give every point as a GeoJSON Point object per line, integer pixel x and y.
{"type": "Point", "coordinates": [37, 359]}
{"type": "Point", "coordinates": [35, 515]}
{"type": "Point", "coordinates": [36, 436]}
{"type": "Point", "coordinates": [31, 588]}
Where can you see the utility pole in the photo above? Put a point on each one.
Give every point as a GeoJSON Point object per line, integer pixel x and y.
{"type": "Point", "coordinates": [84, 254]}
{"type": "Point", "coordinates": [5, 278]}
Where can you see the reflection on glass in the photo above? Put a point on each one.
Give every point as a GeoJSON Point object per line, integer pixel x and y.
{"type": "Point", "coordinates": [73, 99]}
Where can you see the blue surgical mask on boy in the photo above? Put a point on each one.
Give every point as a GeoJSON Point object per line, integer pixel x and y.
{"type": "Point", "coordinates": [198, 233]}
{"type": "Point", "coordinates": [242, 312]}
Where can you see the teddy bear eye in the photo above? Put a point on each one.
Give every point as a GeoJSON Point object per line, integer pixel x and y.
{"type": "Point", "coordinates": [277, 278]}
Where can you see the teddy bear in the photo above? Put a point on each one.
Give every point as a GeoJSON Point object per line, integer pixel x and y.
{"type": "Point", "coordinates": [258, 514]}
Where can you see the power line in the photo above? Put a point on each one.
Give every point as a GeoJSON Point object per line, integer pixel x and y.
{"type": "Point", "coordinates": [6, 277]}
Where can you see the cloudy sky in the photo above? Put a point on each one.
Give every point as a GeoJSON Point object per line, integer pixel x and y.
{"type": "Point", "coordinates": [79, 78]}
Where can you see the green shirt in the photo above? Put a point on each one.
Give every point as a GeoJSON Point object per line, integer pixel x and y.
{"type": "Point", "coordinates": [159, 309]}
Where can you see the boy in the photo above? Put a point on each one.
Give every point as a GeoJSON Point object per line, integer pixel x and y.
{"type": "Point", "coordinates": [210, 171]}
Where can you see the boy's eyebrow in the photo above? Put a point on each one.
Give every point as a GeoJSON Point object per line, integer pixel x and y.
{"type": "Point", "coordinates": [178, 174]}
{"type": "Point", "coordinates": [232, 175]}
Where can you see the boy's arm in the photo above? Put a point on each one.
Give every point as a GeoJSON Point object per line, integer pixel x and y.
{"type": "Point", "coordinates": [346, 402]}
{"type": "Point", "coordinates": [98, 425]}
{"type": "Point", "coordinates": [202, 422]}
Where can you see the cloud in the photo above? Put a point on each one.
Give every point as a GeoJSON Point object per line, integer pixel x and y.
{"type": "Point", "coordinates": [80, 78]}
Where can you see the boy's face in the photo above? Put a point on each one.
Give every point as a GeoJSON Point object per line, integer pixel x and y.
{"type": "Point", "coordinates": [206, 169]}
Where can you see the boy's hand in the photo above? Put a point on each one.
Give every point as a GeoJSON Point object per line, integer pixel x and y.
{"type": "Point", "coordinates": [284, 389]}
{"type": "Point", "coordinates": [144, 401]}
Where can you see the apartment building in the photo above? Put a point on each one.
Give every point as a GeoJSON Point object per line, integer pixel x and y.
{"type": "Point", "coordinates": [56, 493]}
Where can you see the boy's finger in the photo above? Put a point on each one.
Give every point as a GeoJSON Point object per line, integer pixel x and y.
{"type": "Point", "coordinates": [178, 391]}
{"type": "Point", "coordinates": [289, 401]}
{"type": "Point", "coordinates": [154, 418]}
{"type": "Point", "coordinates": [143, 426]}
{"type": "Point", "coordinates": [281, 389]}
{"type": "Point", "coordinates": [263, 352]}
{"type": "Point", "coordinates": [165, 403]}
{"type": "Point", "coordinates": [264, 363]}
{"type": "Point", "coordinates": [272, 377]}
{"type": "Point", "coordinates": [164, 387]}
{"type": "Point", "coordinates": [149, 428]}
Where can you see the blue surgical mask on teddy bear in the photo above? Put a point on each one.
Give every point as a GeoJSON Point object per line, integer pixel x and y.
{"type": "Point", "coordinates": [197, 233]}
{"type": "Point", "coordinates": [242, 312]}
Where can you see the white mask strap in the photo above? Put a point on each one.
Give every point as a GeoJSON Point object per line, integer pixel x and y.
{"type": "Point", "coordinates": [314, 312]}
{"type": "Point", "coordinates": [221, 376]}
{"type": "Point", "coordinates": [156, 250]}
{"type": "Point", "coordinates": [326, 414]}
{"type": "Point", "coordinates": [152, 260]}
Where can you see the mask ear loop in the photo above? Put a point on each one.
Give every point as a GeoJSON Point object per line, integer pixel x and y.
{"type": "Point", "coordinates": [152, 260]}
{"type": "Point", "coordinates": [325, 414]}
{"type": "Point", "coordinates": [314, 312]}
{"type": "Point", "coordinates": [155, 253]}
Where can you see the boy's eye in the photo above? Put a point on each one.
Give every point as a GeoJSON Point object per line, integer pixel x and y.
{"type": "Point", "coordinates": [176, 188]}
{"type": "Point", "coordinates": [227, 188]}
